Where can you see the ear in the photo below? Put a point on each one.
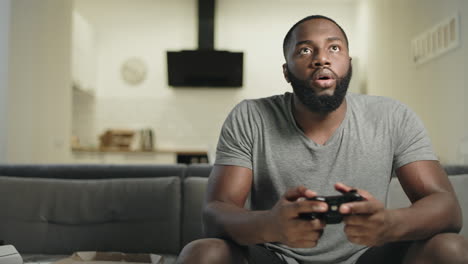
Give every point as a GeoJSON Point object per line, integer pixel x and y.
{"type": "Point", "coordinates": [285, 72]}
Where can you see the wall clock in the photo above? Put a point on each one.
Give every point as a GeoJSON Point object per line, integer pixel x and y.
{"type": "Point", "coordinates": [134, 71]}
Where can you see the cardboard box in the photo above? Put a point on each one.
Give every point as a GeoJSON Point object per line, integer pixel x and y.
{"type": "Point", "coordinates": [96, 257]}
{"type": "Point", "coordinates": [116, 139]}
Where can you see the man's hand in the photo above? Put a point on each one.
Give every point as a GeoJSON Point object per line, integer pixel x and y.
{"type": "Point", "coordinates": [368, 222]}
{"type": "Point", "coordinates": [286, 226]}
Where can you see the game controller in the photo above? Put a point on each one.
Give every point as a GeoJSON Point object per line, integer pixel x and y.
{"type": "Point", "coordinates": [333, 215]}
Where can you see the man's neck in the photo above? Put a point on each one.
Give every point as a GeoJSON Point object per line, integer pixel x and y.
{"type": "Point", "coordinates": [318, 127]}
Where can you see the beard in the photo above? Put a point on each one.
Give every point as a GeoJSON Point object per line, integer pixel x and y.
{"type": "Point", "coordinates": [322, 104]}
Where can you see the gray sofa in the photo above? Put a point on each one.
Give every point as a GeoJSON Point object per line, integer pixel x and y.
{"type": "Point", "coordinates": [50, 211]}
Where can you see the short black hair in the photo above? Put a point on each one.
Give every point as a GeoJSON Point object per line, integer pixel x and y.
{"type": "Point", "coordinates": [287, 38]}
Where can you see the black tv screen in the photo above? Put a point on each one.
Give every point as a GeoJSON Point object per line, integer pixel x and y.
{"type": "Point", "coordinates": [204, 68]}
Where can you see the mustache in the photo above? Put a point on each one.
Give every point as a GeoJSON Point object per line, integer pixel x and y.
{"type": "Point", "coordinates": [321, 70]}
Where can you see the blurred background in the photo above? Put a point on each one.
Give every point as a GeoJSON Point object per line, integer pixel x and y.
{"type": "Point", "coordinates": [75, 74]}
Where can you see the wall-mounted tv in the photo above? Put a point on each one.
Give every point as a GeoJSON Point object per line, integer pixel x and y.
{"type": "Point", "coordinates": [205, 68]}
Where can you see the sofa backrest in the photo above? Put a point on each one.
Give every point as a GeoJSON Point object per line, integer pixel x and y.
{"type": "Point", "coordinates": [396, 198]}
{"type": "Point", "coordinates": [59, 209]}
{"type": "Point", "coordinates": [92, 171]}
{"type": "Point", "coordinates": [194, 189]}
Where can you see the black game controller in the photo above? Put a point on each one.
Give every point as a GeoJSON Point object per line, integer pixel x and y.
{"type": "Point", "coordinates": [332, 216]}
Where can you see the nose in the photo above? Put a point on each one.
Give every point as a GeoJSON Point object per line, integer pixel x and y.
{"type": "Point", "coordinates": [321, 59]}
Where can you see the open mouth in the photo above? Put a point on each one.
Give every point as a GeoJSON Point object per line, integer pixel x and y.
{"type": "Point", "coordinates": [323, 75]}
{"type": "Point", "coordinates": [323, 79]}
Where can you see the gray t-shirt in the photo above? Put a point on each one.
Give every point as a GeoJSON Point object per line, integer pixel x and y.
{"type": "Point", "coordinates": [377, 136]}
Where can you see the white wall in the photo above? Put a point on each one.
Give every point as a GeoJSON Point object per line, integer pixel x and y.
{"type": "Point", "coordinates": [361, 44]}
{"type": "Point", "coordinates": [191, 118]}
{"type": "Point", "coordinates": [39, 94]}
{"type": "Point", "coordinates": [260, 30]}
{"type": "Point", "coordinates": [39, 81]}
{"type": "Point", "coordinates": [4, 38]}
{"type": "Point", "coordinates": [84, 72]}
{"type": "Point", "coordinates": [436, 90]}
{"type": "Point", "coordinates": [83, 55]}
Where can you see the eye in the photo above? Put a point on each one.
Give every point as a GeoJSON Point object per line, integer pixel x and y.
{"type": "Point", "coordinates": [335, 48]}
{"type": "Point", "coordinates": [305, 51]}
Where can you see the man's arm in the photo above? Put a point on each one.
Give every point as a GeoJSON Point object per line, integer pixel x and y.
{"type": "Point", "coordinates": [225, 217]}
{"type": "Point", "coordinates": [224, 214]}
{"type": "Point", "coordinates": [434, 209]}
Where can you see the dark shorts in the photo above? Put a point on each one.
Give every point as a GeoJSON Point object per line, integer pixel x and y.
{"type": "Point", "coordinates": [392, 253]}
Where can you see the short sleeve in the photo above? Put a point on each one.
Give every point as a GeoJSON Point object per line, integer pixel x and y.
{"type": "Point", "coordinates": [412, 142]}
{"type": "Point", "coordinates": [235, 142]}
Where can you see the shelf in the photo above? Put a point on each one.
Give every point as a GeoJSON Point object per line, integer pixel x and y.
{"type": "Point", "coordinates": [163, 156]}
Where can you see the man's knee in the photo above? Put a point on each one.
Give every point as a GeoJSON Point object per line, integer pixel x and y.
{"type": "Point", "coordinates": [444, 248]}
{"type": "Point", "coordinates": [210, 250]}
{"type": "Point", "coordinates": [449, 245]}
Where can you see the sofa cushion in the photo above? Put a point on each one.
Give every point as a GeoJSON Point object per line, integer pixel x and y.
{"type": "Point", "coordinates": [61, 216]}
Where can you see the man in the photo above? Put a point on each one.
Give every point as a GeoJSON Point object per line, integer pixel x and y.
{"type": "Point", "coordinates": [286, 148]}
